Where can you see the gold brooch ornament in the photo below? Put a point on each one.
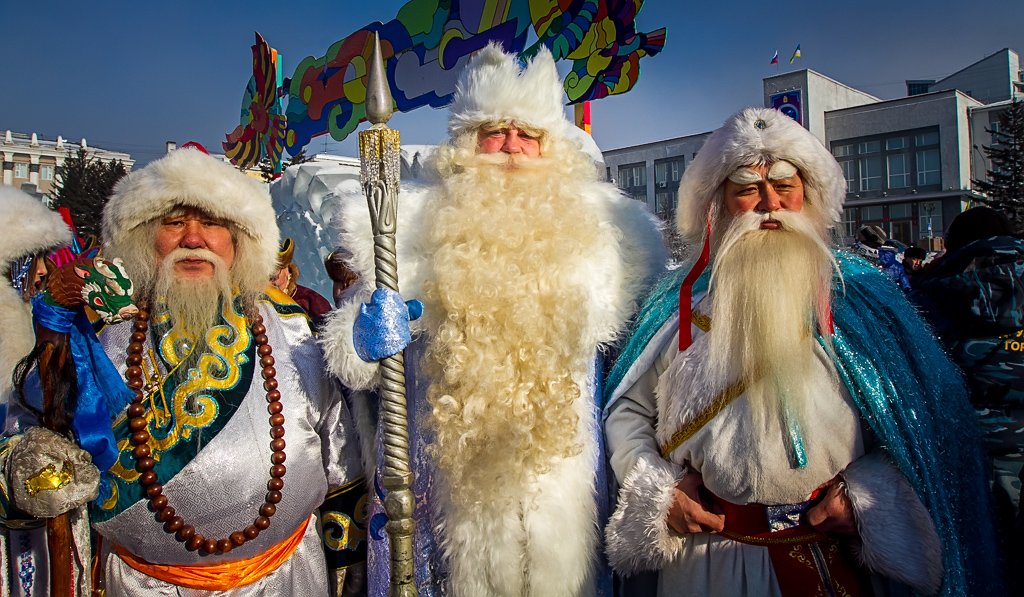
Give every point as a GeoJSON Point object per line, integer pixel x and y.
{"type": "Point", "coordinates": [50, 479]}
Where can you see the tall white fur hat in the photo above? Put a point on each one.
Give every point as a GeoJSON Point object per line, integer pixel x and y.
{"type": "Point", "coordinates": [757, 136]}
{"type": "Point", "coordinates": [28, 226]}
{"type": "Point", "coordinates": [496, 88]}
{"type": "Point", "coordinates": [190, 178]}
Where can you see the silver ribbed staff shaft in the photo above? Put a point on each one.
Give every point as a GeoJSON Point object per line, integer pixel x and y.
{"type": "Point", "coordinates": [379, 154]}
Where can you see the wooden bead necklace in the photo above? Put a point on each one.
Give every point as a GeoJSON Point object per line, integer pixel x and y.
{"type": "Point", "coordinates": [144, 462]}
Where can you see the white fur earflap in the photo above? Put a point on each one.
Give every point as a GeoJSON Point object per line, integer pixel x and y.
{"type": "Point", "coordinates": [758, 136]}
{"type": "Point", "coordinates": [638, 537]}
{"type": "Point", "coordinates": [190, 178]}
{"type": "Point", "coordinates": [29, 227]}
{"type": "Point", "coordinates": [898, 537]}
{"type": "Point", "coordinates": [494, 87]}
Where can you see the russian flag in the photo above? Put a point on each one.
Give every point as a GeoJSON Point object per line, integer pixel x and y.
{"type": "Point", "coordinates": [775, 60]}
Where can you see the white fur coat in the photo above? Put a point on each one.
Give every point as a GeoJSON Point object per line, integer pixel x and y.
{"type": "Point", "coordinates": [555, 535]}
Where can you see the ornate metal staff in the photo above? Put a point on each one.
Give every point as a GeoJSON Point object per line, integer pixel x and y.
{"type": "Point", "coordinates": [379, 155]}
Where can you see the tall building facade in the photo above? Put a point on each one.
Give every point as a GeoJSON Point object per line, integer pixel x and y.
{"type": "Point", "coordinates": [908, 162]}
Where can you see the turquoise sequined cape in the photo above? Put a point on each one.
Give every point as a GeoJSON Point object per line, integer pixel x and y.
{"type": "Point", "coordinates": [907, 391]}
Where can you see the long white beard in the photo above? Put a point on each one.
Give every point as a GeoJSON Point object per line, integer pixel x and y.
{"type": "Point", "coordinates": [770, 289]}
{"type": "Point", "coordinates": [509, 237]}
{"type": "Point", "coordinates": [194, 305]}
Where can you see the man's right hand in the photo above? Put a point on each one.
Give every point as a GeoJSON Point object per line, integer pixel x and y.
{"type": "Point", "coordinates": [689, 513]}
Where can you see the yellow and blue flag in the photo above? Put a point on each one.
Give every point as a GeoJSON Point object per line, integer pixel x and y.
{"type": "Point", "coordinates": [795, 54]}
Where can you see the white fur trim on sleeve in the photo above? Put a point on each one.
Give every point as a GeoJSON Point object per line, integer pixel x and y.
{"type": "Point", "coordinates": [339, 347]}
{"type": "Point", "coordinates": [638, 536]}
{"type": "Point", "coordinates": [898, 536]}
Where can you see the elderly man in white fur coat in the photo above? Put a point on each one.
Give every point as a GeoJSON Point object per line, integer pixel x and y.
{"type": "Point", "coordinates": [801, 433]}
{"type": "Point", "coordinates": [526, 265]}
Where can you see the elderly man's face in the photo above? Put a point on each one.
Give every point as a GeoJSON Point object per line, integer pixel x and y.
{"type": "Point", "coordinates": [764, 193]}
{"type": "Point", "coordinates": [508, 139]}
{"type": "Point", "coordinates": [194, 229]}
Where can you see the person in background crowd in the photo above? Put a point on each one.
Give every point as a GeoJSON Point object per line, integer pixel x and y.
{"type": "Point", "coordinates": [340, 274]}
{"type": "Point", "coordinates": [974, 298]}
{"type": "Point", "coordinates": [867, 242]}
{"type": "Point", "coordinates": [287, 281]}
{"type": "Point", "coordinates": [913, 263]}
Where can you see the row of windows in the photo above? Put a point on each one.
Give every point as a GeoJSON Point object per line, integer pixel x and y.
{"type": "Point", "coordinates": [867, 174]}
{"type": "Point", "coordinates": [893, 162]}
{"type": "Point", "coordinates": [892, 144]}
{"type": "Point", "coordinates": [21, 171]}
{"type": "Point", "coordinates": [897, 220]}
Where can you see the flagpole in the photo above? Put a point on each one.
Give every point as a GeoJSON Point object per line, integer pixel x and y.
{"type": "Point", "coordinates": [379, 173]}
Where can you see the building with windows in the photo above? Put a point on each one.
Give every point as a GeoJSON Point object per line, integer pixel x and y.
{"type": "Point", "coordinates": [908, 162]}
{"type": "Point", "coordinates": [32, 163]}
{"type": "Point", "coordinates": [651, 172]}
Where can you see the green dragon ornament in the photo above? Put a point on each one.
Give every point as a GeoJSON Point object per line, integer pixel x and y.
{"type": "Point", "coordinates": [101, 285]}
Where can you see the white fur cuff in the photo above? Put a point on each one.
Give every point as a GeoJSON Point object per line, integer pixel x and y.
{"type": "Point", "coordinates": [340, 351]}
{"type": "Point", "coordinates": [898, 536]}
{"type": "Point", "coordinates": [638, 537]}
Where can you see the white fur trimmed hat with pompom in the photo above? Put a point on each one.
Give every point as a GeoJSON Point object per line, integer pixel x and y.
{"type": "Point", "coordinates": [496, 88]}
{"type": "Point", "coordinates": [189, 177]}
{"type": "Point", "coordinates": [758, 136]}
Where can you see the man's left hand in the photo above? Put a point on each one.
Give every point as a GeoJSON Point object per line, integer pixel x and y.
{"type": "Point", "coordinates": [834, 514]}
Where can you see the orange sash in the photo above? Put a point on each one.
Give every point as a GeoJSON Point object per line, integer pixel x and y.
{"type": "Point", "coordinates": [219, 577]}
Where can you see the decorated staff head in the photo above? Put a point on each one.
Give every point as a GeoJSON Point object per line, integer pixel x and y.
{"type": "Point", "coordinates": [192, 229]}
{"type": "Point", "coordinates": [757, 149]}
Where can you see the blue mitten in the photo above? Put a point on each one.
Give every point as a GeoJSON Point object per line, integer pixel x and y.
{"type": "Point", "coordinates": [382, 326]}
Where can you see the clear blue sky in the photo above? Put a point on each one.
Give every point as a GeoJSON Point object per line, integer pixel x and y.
{"type": "Point", "coordinates": [129, 76]}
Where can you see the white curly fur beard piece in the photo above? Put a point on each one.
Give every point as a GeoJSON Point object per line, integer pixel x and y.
{"type": "Point", "coordinates": [540, 542]}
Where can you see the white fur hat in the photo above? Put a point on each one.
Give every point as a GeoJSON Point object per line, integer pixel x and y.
{"type": "Point", "coordinates": [494, 87]}
{"type": "Point", "coordinates": [191, 178]}
{"type": "Point", "coordinates": [758, 136]}
{"type": "Point", "coordinates": [28, 226]}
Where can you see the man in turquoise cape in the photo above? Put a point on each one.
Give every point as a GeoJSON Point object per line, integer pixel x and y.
{"type": "Point", "coordinates": [802, 432]}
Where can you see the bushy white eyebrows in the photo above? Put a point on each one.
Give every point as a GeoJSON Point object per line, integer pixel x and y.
{"type": "Point", "coordinates": [781, 170]}
{"type": "Point", "coordinates": [745, 176]}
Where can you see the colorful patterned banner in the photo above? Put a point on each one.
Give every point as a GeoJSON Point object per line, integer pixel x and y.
{"type": "Point", "coordinates": [424, 50]}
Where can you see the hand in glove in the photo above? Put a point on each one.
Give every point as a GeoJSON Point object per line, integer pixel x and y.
{"type": "Point", "coordinates": [382, 326]}
{"type": "Point", "coordinates": [49, 475]}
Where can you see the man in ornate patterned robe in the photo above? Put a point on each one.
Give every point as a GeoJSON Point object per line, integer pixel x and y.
{"type": "Point", "coordinates": [200, 241]}
{"type": "Point", "coordinates": [801, 432]}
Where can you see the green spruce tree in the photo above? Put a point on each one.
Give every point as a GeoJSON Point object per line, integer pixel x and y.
{"type": "Point", "coordinates": [84, 185]}
{"type": "Point", "coordinates": [1004, 188]}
